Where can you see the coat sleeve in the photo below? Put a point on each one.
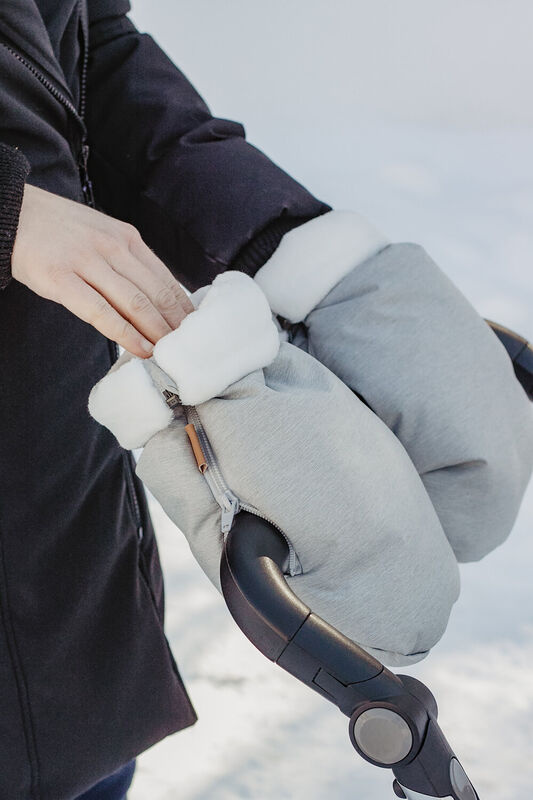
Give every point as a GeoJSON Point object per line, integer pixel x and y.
{"type": "Point", "coordinates": [204, 199]}
{"type": "Point", "coordinates": [14, 169]}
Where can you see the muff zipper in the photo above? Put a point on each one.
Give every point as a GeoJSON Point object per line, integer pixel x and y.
{"type": "Point", "coordinates": [208, 465]}
{"type": "Point", "coordinates": [203, 452]}
{"type": "Point", "coordinates": [83, 155]}
{"type": "Point", "coordinates": [227, 500]}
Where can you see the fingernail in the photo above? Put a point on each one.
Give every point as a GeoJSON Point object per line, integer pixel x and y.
{"type": "Point", "coordinates": [146, 345]}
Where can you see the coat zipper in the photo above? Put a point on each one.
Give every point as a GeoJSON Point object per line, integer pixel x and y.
{"type": "Point", "coordinates": [88, 196]}
{"type": "Point", "coordinates": [83, 155]}
{"type": "Point", "coordinates": [89, 200]}
{"type": "Point", "coordinates": [228, 501]}
{"type": "Point", "coordinates": [86, 183]}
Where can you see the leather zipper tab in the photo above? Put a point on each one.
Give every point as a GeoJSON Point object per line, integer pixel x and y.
{"type": "Point", "coordinates": [196, 447]}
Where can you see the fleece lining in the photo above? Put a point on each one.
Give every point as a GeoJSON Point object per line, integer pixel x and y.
{"type": "Point", "coordinates": [311, 259]}
{"type": "Point", "coordinates": [126, 401]}
{"type": "Point", "coordinates": [230, 334]}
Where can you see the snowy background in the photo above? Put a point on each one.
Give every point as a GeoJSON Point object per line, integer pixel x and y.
{"type": "Point", "coordinates": [417, 114]}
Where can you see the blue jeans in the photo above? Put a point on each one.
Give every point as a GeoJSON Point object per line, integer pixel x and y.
{"type": "Point", "coordinates": [113, 787]}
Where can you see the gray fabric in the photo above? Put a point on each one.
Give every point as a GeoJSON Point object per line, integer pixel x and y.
{"type": "Point", "coordinates": [294, 441]}
{"type": "Point", "coordinates": [399, 332]}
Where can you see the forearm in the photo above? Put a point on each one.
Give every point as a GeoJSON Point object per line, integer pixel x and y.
{"type": "Point", "coordinates": [203, 197]}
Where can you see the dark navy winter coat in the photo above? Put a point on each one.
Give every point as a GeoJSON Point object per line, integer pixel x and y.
{"type": "Point", "coordinates": [87, 680]}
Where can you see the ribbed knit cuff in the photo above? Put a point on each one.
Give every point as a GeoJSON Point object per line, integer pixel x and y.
{"type": "Point", "coordinates": [258, 250]}
{"type": "Point", "coordinates": [14, 169]}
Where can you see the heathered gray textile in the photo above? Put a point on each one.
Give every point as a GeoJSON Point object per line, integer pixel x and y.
{"type": "Point", "coordinates": [400, 333]}
{"type": "Point", "coordinates": [295, 442]}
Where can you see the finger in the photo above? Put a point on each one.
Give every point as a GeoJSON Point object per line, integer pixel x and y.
{"type": "Point", "coordinates": [187, 304]}
{"type": "Point", "coordinates": [127, 297]}
{"type": "Point", "coordinates": [86, 303]}
{"type": "Point", "coordinates": [166, 281]}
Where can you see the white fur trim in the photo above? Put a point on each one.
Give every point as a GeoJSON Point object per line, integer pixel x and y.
{"type": "Point", "coordinates": [230, 334]}
{"type": "Point", "coordinates": [126, 401]}
{"type": "Point", "coordinates": [312, 258]}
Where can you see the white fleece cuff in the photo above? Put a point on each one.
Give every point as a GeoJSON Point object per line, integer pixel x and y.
{"type": "Point", "coordinates": [312, 258]}
{"type": "Point", "coordinates": [126, 401]}
{"type": "Point", "coordinates": [230, 334]}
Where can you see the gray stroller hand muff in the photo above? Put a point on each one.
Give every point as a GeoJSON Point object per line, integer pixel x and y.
{"type": "Point", "coordinates": [392, 326]}
{"type": "Point", "coordinates": [286, 439]}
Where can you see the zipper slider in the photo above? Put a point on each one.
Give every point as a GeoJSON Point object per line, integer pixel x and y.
{"type": "Point", "coordinates": [86, 183]}
{"type": "Point", "coordinates": [226, 518]}
{"type": "Point", "coordinates": [166, 386]}
{"type": "Point", "coordinates": [172, 400]}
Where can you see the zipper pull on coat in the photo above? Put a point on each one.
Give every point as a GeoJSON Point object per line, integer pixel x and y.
{"type": "Point", "coordinates": [86, 183]}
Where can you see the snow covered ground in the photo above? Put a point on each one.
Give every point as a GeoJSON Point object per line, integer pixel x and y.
{"type": "Point", "coordinates": [465, 191]}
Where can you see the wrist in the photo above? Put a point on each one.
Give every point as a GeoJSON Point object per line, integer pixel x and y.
{"type": "Point", "coordinates": [258, 250]}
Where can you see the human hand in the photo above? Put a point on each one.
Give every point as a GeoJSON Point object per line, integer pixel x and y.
{"type": "Point", "coordinates": [99, 268]}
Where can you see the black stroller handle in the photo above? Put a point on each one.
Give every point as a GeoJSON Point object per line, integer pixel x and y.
{"type": "Point", "coordinates": [393, 718]}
